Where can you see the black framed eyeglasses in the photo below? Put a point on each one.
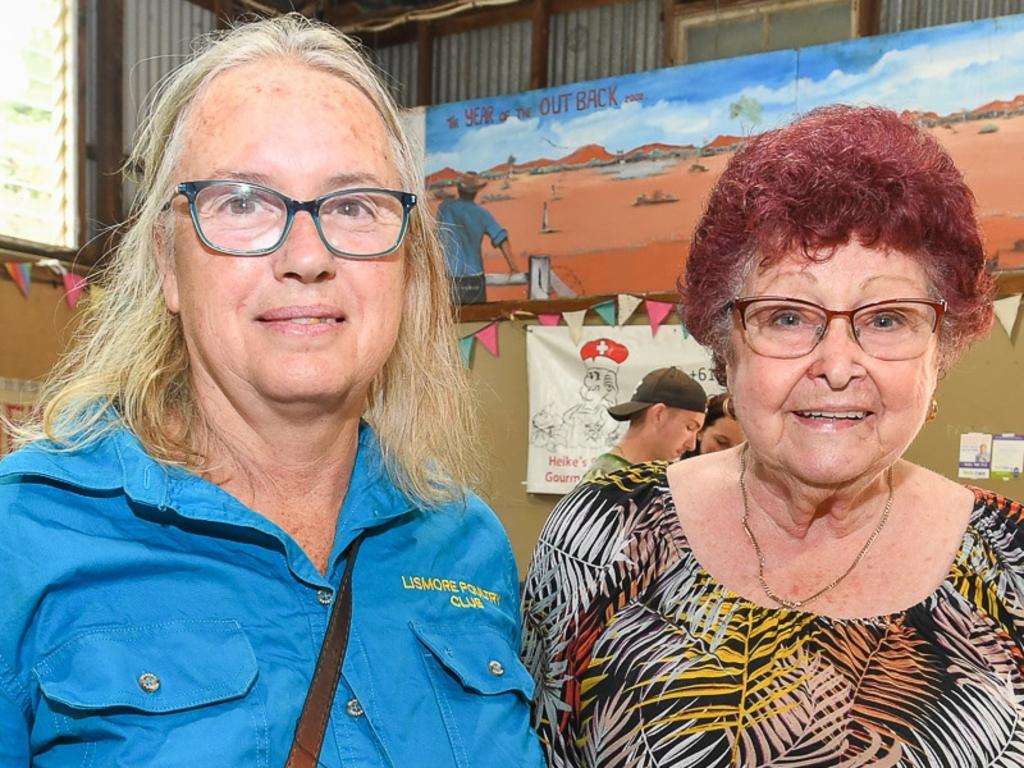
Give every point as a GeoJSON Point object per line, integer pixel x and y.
{"type": "Point", "coordinates": [781, 327]}
{"type": "Point", "coordinates": [243, 219]}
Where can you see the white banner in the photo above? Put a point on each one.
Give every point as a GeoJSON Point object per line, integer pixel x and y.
{"type": "Point", "coordinates": [571, 385]}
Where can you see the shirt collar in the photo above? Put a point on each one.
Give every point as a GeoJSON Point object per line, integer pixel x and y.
{"type": "Point", "coordinates": [118, 461]}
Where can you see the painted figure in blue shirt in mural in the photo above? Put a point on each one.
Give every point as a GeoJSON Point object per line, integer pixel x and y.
{"type": "Point", "coordinates": [464, 223]}
{"type": "Point", "coordinates": [243, 402]}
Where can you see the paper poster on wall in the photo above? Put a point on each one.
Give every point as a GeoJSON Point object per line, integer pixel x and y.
{"type": "Point", "coordinates": [975, 455]}
{"type": "Point", "coordinates": [17, 399]}
{"type": "Point", "coordinates": [572, 384]}
{"type": "Point", "coordinates": [1007, 456]}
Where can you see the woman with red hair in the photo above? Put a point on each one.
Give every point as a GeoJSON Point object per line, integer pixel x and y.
{"type": "Point", "coordinates": [808, 597]}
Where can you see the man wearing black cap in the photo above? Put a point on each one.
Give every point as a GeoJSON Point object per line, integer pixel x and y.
{"type": "Point", "coordinates": [665, 415]}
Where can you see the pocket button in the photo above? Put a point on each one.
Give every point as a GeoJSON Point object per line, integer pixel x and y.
{"type": "Point", "coordinates": [354, 708]}
{"type": "Point", "coordinates": [495, 668]}
{"type": "Point", "coordinates": [149, 682]}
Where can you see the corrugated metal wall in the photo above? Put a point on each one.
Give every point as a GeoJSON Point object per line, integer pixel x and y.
{"type": "Point", "coordinates": [901, 15]}
{"type": "Point", "coordinates": [157, 34]}
{"type": "Point", "coordinates": [603, 42]}
{"type": "Point", "coordinates": [485, 62]}
{"type": "Point", "coordinates": [398, 63]}
{"type": "Point", "coordinates": [583, 45]}
{"type": "Point", "coordinates": [606, 41]}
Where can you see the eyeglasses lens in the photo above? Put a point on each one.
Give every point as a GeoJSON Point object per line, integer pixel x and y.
{"type": "Point", "coordinates": [888, 331]}
{"type": "Point", "coordinates": [242, 218]}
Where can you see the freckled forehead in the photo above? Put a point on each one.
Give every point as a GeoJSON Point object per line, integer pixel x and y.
{"type": "Point", "coordinates": [285, 104]}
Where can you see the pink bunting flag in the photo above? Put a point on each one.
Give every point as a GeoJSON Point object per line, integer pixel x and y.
{"type": "Point", "coordinates": [74, 284]}
{"type": "Point", "coordinates": [21, 274]}
{"type": "Point", "coordinates": [549, 319]}
{"type": "Point", "coordinates": [488, 336]}
{"type": "Point", "coordinates": [657, 311]}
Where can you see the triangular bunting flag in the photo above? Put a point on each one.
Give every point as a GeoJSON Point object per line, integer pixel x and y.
{"type": "Point", "coordinates": [627, 306]}
{"type": "Point", "coordinates": [488, 336]}
{"type": "Point", "coordinates": [74, 284]}
{"type": "Point", "coordinates": [657, 311]}
{"type": "Point", "coordinates": [549, 319]}
{"type": "Point", "coordinates": [606, 309]}
{"type": "Point", "coordinates": [21, 274]}
{"type": "Point", "coordinates": [575, 322]}
{"type": "Point", "coordinates": [682, 326]}
{"type": "Point", "coordinates": [1006, 311]}
{"type": "Point", "coordinates": [466, 348]}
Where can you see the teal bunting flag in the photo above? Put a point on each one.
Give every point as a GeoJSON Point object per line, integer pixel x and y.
{"type": "Point", "coordinates": [606, 309]}
{"type": "Point", "coordinates": [466, 348]}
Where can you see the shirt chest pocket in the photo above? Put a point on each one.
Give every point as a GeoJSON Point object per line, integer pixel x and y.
{"type": "Point", "coordinates": [483, 693]}
{"type": "Point", "coordinates": [177, 693]}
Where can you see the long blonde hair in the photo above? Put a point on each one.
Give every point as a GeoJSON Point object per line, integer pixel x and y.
{"type": "Point", "coordinates": [128, 357]}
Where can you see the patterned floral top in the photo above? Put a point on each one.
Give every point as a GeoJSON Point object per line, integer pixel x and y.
{"type": "Point", "coordinates": [642, 659]}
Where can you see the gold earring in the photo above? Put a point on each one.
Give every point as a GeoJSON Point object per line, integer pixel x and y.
{"type": "Point", "coordinates": [933, 410]}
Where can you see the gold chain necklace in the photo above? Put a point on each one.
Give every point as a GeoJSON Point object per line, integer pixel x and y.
{"type": "Point", "coordinates": [797, 604]}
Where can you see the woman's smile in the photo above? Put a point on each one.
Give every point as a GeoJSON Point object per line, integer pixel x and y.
{"type": "Point", "coordinates": [303, 320]}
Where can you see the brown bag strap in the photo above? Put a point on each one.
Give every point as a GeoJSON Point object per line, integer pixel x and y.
{"type": "Point", "coordinates": [316, 711]}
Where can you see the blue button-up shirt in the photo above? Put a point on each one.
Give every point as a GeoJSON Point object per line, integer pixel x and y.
{"type": "Point", "coordinates": [148, 618]}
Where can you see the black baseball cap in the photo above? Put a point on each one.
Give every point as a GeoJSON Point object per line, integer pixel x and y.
{"type": "Point", "coordinates": [669, 386]}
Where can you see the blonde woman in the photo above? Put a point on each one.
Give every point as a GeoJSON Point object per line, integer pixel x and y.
{"type": "Point", "coordinates": [268, 387]}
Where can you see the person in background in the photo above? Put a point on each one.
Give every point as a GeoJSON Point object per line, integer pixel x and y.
{"type": "Point", "coordinates": [269, 386]}
{"type": "Point", "coordinates": [809, 597]}
{"type": "Point", "coordinates": [721, 430]}
{"type": "Point", "coordinates": [982, 455]}
{"type": "Point", "coordinates": [665, 415]}
{"type": "Point", "coordinates": [464, 223]}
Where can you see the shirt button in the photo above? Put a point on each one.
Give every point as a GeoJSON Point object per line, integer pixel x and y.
{"type": "Point", "coordinates": [354, 708]}
{"type": "Point", "coordinates": [325, 596]}
{"type": "Point", "coordinates": [495, 668]}
{"type": "Point", "coordinates": [149, 682]}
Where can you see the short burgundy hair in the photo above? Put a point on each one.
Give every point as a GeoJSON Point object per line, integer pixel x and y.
{"type": "Point", "coordinates": [837, 174]}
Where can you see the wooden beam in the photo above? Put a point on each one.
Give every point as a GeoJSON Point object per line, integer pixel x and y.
{"type": "Point", "coordinates": [869, 18]}
{"type": "Point", "coordinates": [471, 21]}
{"type": "Point", "coordinates": [108, 104]}
{"type": "Point", "coordinates": [540, 44]}
{"type": "Point", "coordinates": [465, 21]}
{"type": "Point", "coordinates": [567, 6]}
{"type": "Point", "coordinates": [668, 30]}
{"type": "Point", "coordinates": [503, 310]}
{"type": "Point", "coordinates": [81, 106]}
{"type": "Point", "coordinates": [1008, 283]}
{"type": "Point", "coordinates": [404, 33]}
{"type": "Point", "coordinates": [224, 12]}
{"type": "Point", "coordinates": [424, 64]}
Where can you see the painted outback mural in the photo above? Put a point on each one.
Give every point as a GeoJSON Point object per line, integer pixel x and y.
{"type": "Point", "coordinates": [601, 183]}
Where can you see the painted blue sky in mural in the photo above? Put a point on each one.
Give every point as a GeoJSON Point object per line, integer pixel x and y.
{"type": "Point", "coordinates": [940, 69]}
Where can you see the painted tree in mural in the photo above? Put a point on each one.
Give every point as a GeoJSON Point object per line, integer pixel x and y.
{"type": "Point", "coordinates": [747, 110]}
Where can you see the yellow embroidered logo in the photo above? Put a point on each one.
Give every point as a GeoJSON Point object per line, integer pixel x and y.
{"type": "Point", "coordinates": [462, 594]}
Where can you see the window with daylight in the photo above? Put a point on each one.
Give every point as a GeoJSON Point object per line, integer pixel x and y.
{"type": "Point", "coordinates": [38, 187]}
